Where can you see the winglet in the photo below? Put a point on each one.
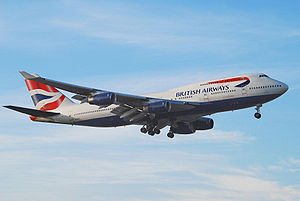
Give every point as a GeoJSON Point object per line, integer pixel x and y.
{"type": "Point", "coordinates": [28, 76]}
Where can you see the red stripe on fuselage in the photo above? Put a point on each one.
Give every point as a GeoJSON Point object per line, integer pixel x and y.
{"type": "Point", "coordinates": [31, 85]}
{"type": "Point", "coordinates": [53, 105]}
{"type": "Point", "coordinates": [229, 80]}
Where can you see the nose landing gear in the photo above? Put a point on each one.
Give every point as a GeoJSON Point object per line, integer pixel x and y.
{"type": "Point", "coordinates": [257, 115]}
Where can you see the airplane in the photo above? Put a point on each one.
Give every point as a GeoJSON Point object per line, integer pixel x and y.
{"type": "Point", "coordinates": [183, 109]}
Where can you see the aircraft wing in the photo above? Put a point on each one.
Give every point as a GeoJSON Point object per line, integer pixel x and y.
{"type": "Point", "coordinates": [61, 85]}
{"type": "Point", "coordinates": [126, 102]}
{"type": "Point", "coordinates": [85, 91]}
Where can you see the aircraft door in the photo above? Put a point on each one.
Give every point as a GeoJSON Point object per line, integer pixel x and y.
{"type": "Point", "coordinates": [244, 91]}
{"type": "Point", "coordinates": [205, 97]}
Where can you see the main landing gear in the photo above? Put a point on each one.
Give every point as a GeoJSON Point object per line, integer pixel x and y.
{"type": "Point", "coordinates": [152, 130]}
{"type": "Point", "coordinates": [143, 130]}
{"type": "Point", "coordinates": [170, 133]}
{"type": "Point", "coordinates": [257, 115]}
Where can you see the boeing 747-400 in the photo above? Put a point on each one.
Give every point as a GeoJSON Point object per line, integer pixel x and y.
{"type": "Point", "coordinates": [183, 109]}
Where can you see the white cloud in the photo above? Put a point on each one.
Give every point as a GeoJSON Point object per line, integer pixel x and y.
{"type": "Point", "coordinates": [294, 161]}
{"type": "Point", "coordinates": [235, 188]}
{"type": "Point", "coordinates": [137, 33]}
{"type": "Point", "coordinates": [62, 157]}
{"type": "Point", "coordinates": [128, 25]}
{"type": "Point", "coordinates": [291, 164]}
{"type": "Point", "coordinates": [275, 168]}
{"type": "Point", "coordinates": [44, 136]}
{"type": "Point", "coordinates": [182, 30]}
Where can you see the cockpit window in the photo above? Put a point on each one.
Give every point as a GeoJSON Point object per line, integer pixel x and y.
{"type": "Point", "coordinates": [263, 75]}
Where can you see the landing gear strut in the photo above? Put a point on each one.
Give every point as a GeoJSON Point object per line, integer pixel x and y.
{"type": "Point", "coordinates": [257, 115]}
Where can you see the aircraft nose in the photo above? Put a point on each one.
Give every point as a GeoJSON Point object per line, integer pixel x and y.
{"type": "Point", "coordinates": [285, 87]}
{"type": "Point", "coordinates": [282, 87]}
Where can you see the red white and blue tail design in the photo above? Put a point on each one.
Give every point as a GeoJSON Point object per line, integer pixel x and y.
{"type": "Point", "coordinates": [45, 97]}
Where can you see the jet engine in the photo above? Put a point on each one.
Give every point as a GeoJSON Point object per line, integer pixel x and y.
{"type": "Point", "coordinates": [190, 127]}
{"type": "Point", "coordinates": [106, 98]}
{"type": "Point", "coordinates": [182, 128]}
{"type": "Point", "coordinates": [203, 124]}
{"type": "Point", "coordinates": [157, 107]}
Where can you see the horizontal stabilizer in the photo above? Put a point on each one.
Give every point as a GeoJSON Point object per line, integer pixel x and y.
{"type": "Point", "coordinates": [33, 112]}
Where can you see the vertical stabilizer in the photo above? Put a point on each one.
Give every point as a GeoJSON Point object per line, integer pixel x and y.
{"type": "Point", "coordinates": [45, 97]}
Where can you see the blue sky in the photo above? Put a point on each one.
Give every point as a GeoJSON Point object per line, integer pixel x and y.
{"type": "Point", "coordinates": [141, 47]}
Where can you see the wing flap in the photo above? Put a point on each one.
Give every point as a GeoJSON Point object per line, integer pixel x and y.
{"type": "Point", "coordinates": [120, 109]}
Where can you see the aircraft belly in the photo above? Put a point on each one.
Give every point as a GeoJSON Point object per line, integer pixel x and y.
{"type": "Point", "coordinates": [205, 108]}
{"type": "Point", "coordinates": [110, 121]}
{"type": "Point", "coordinates": [236, 103]}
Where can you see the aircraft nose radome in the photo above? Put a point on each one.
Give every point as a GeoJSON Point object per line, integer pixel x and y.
{"type": "Point", "coordinates": [285, 87]}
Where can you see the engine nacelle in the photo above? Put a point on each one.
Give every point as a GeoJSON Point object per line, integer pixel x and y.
{"type": "Point", "coordinates": [106, 98]}
{"type": "Point", "coordinates": [190, 127]}
{"type": "Point", "coordinates": [183, 128]}
{"type": "Point", "coordinates": [203, 124]}
{"type": "Point", "coordinates": [157, 107]}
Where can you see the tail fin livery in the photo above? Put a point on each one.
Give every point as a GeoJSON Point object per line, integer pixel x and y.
{"type": "Point", "coordinates": [46, 97]}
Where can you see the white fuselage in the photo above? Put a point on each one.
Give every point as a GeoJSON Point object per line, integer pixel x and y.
{"type": "Point", "coordinates": [223, 94]}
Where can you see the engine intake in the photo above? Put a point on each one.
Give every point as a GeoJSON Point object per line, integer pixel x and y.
{"type": "Point", "coordinates": [157, 107]}
{"type": "Point", "coordinates": [106, 98]}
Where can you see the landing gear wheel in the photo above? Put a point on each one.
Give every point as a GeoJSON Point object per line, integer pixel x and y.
{"type": "Point", "coordinates": [170, 134]}
{"type": "Point", "coordinates": [151, 132]}
{"type": "Point", "coordinates": [156, 131]}
{"type": "Point", "coordinates": [143, 130]}
{"type": "Point", "coordinates": [257, 115]}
